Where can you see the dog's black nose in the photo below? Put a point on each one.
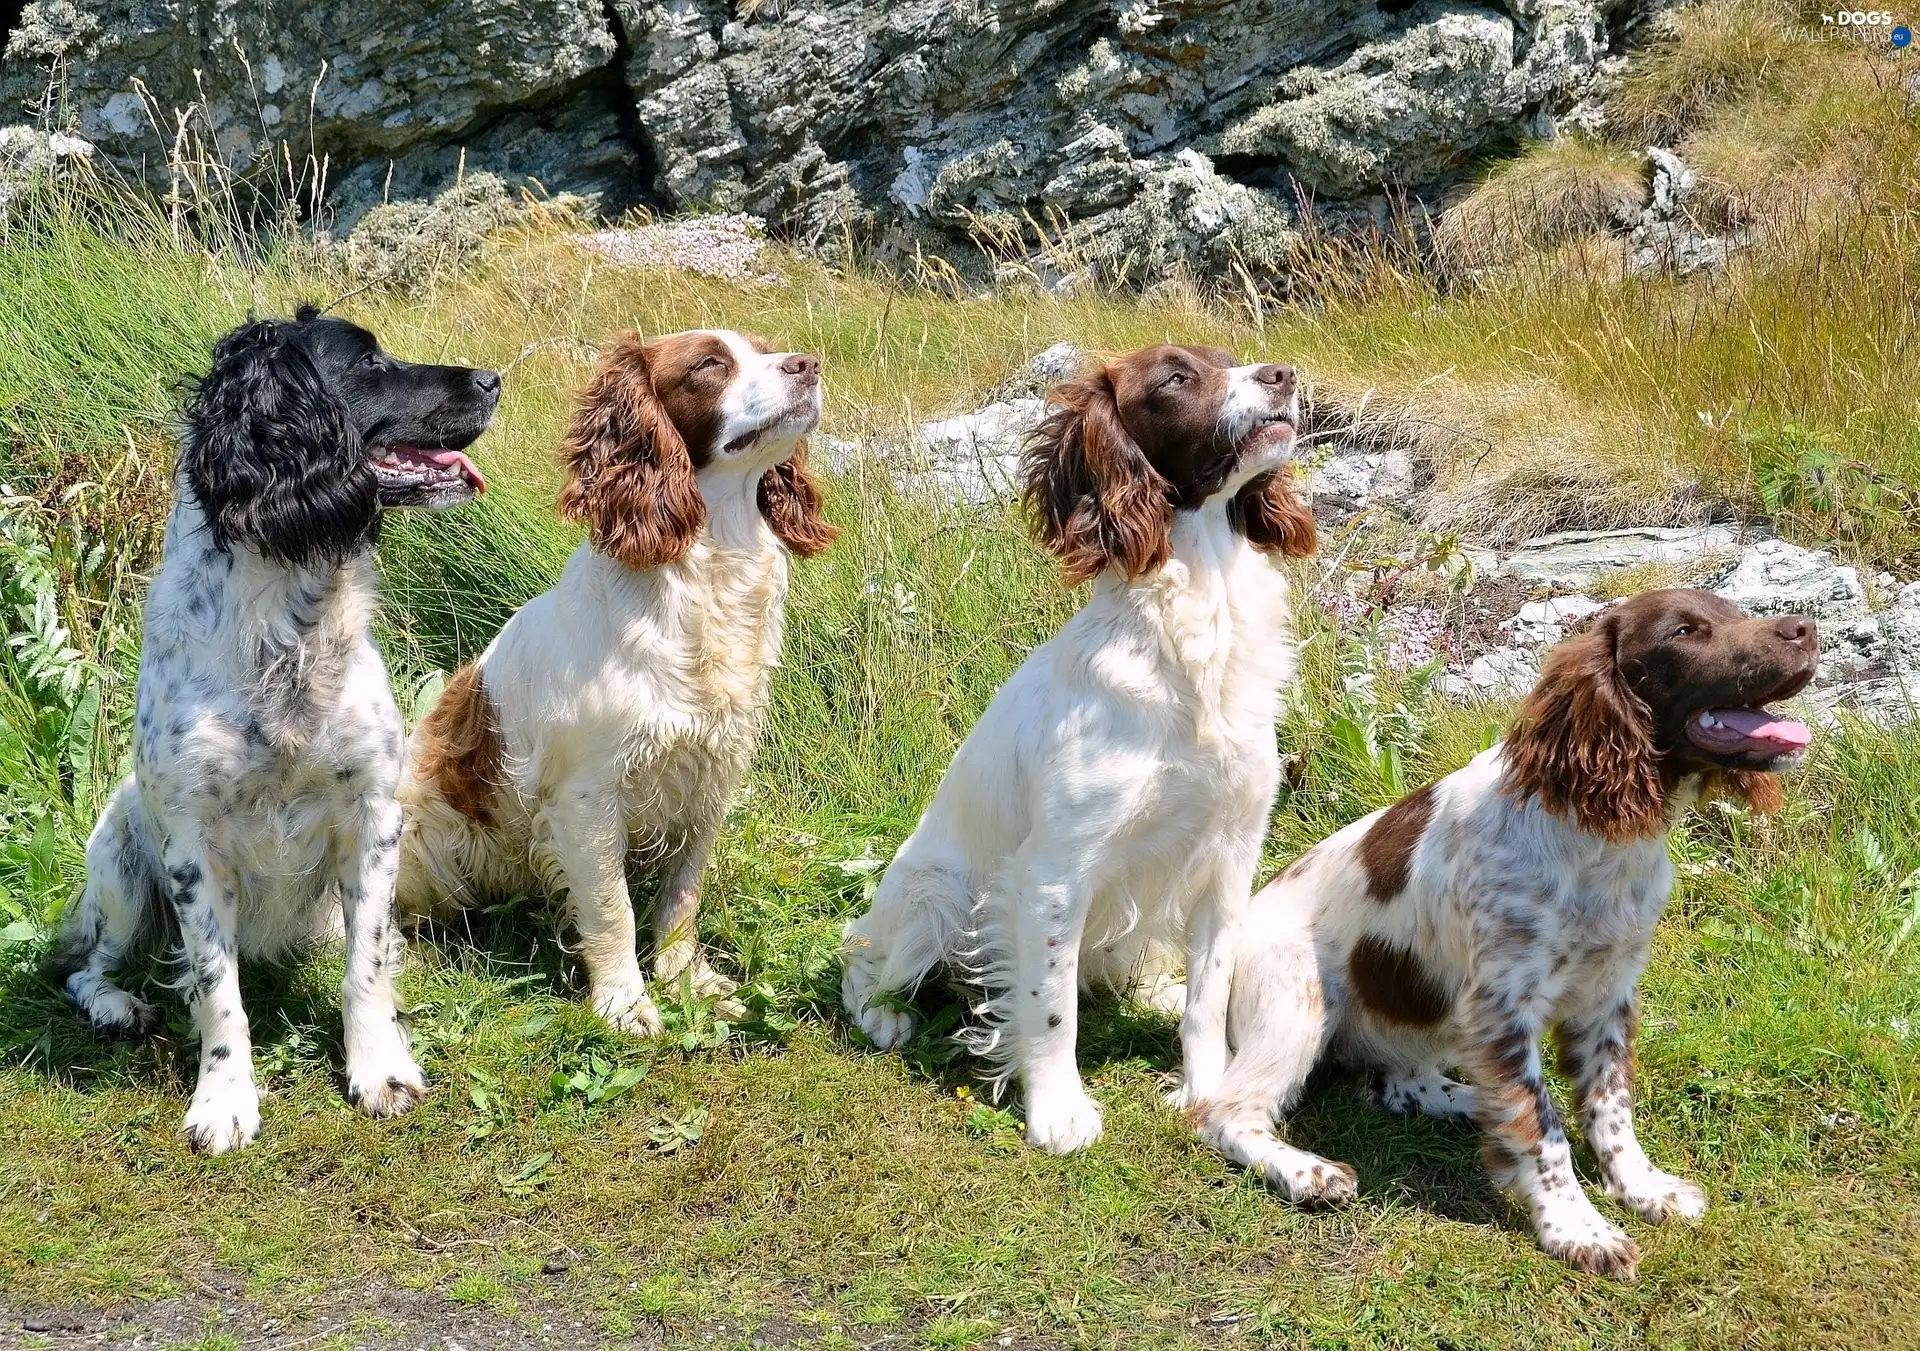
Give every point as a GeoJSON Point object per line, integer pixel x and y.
{"type": "Point", "coordinates": [487, 382]}
{"type": "Point", "coordinates": [1276, 375]}
{"type": "Point", "coordinates": [801, 364]}
{"type": "Point", "coordinates": [1798, 630]}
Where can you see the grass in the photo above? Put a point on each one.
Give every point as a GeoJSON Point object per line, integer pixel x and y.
{"type": "Point", "coordinates": [778, 1174]}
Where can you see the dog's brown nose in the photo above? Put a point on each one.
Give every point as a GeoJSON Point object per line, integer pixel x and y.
{"type": "Point", "coordinates": [801, 364]}
{"type": "Point", "coordinates": [1798, 630]}
{"type": "Point", "coordinates": [1281, 376]}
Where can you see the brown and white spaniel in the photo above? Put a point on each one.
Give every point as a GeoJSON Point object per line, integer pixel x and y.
{"type": "Point", "coordinates": [1114, 795]}
{"type": "Point", "coordinates": [1515, 897]}
{"type": "Point", "coordinates": [614, 716]}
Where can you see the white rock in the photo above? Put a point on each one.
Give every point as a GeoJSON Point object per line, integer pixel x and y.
{"type": "Point", "coordinates": [1345, 485]}
{"type": "Point", "coordinates": [1575, 558]}
{"type": "Point", "coordinates": [1503, 673]}
{"type": "Point", "coordinates": [975, 457]}
{"type": "Point", "coordinates": [1542, 623]}
{"type": "Point", "coordinates": [1773, 577]}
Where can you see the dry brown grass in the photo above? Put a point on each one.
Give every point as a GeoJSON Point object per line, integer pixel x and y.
{"type": "Point", "coordinates": [1556, 193]}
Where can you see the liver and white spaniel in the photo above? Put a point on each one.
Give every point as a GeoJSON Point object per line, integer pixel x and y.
{"type": "Point", "coordinates": [1515, 896]}
{"type": "Point", "coordinates": [1115, 792]}
{"type": "Point", "coordinates": [612, 719]}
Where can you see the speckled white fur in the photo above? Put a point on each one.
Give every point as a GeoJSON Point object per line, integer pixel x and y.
{"type": "Point", "coordinates": [260, 810]}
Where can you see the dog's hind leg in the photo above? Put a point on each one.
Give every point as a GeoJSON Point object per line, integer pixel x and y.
{"type": "Point", "coordinates": [110, 918]}
{"type": "Point", "coordinates": [919, 914]}
{"type": "Point", "coordinates": [1427, 1089]}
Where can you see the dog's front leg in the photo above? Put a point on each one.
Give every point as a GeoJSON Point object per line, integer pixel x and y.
{"type": "Point", "coordinates": [1597, 1054]}
{"type": "Point", "coordinates": [382, 1077]}
{"type": "Point", "coordinates": [1525, 1146]}
{"type": "Point", "coordinates": [225, 1112]}
{"type": "Point", "coordinates": [588, 840]}
{"type": "Point", "coordinates": [1049, 915]}
{"type": "Point", "coordinates": [676, 933]}
{"type": "Point", "coordinates": [1213, 933]}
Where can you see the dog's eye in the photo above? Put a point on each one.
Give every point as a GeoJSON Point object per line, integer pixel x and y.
{"type": "Point", "coordinates": [1175, 380]}
{"type": "Point", "coordinates": [1682, 630]}
{"type": "Point", "coordinates": [705, 362]}
{"type": "Point", "coordinates": [370, 359]}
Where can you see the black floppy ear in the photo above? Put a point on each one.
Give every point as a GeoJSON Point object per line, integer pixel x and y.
{"type": "Point", "coordinates": [272, 456]}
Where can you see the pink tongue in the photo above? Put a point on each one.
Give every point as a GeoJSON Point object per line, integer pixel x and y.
{"type": "Point", "coordinates": [454, 459]}
{"type": "Point", "coordinates": [1751, 731]}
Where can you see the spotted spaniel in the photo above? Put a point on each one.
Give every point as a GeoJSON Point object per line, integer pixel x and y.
{"type": "Point", "coordinates": [613, 718]}
{"type": "Point", "coordinates": [1112, 799]}
{"type": "Point", "coordinates": [1515, 897]}
{"type": "Point", "coordinates": [260, 810]}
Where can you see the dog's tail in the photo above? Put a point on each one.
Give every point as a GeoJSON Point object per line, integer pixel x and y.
{"type": "Point", "coordinates": [1279, 1023]}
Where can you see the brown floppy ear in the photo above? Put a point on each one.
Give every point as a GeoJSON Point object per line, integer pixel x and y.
{"type": "Point", "coordinates": [1761, 792]}
{"type": "Point", "coordinates": [1272, 518]}
{"type": "Point", "coordinates": [1096, 500]}
{"type": "Point", "coordinates": [790, 500]}
{"type": "Point", "coordinates": [1583, 743]}
{"type": "Point", "coordinates": [629, 476]}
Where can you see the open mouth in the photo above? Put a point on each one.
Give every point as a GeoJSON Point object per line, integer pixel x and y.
{"type": "Point", "coordinates": [1273, 432]}
{"type": "Point", "coordinates": [426, 476]}
{"type": "Point", "coordinates": [1752, 735]}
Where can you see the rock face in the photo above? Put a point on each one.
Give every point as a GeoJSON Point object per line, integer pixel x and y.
{"type": "Point", "coordinates": [1150, 133]}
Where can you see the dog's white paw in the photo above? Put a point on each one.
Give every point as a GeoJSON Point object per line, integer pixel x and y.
{"type": "Point", "coordinates": [1167, 996]}
{"type": "Point", "coordinates": [1313, 1181]}
{"type": "Point", "coordinates": [1580, 1236]}
{"type": "Point", "coordinates": [887, 1028]}
{"type": "Point", "coordinates": [628, 1009]}
{"type": "Point", "coordinates": [386, 1084]}
{"type": "Point", "coordinates": [1658, 1197]}
{"type": "Point", "coordinates": [1178, 1098]}
{"type": "Point", "coordinates": [224, 1115]}
{"type": "Point", "coordinates": [1062, 1120]}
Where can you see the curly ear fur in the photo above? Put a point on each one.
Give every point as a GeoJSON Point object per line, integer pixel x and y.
{"type": "Point", "coordinates": [790, 500]}
{"type": "Point", "coordinates": [629, 477]}
{"type": "Point", "coordinates": [1272, 518]}
{"type": "Point", "coordinates": [272, 456]}
{"type": "Point", "coordinates": [1583, 743]}
{"type": "Point", "coordinates": [1761, 792]}
{"type": "Point", "coordinates": [1095, 499]}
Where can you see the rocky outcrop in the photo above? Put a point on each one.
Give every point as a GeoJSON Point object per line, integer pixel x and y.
{"type": "Point", "coordinates": [1137, 135]}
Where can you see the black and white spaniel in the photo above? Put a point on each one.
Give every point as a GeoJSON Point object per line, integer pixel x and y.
{"type": "Point", "coordinates": [267, 743]}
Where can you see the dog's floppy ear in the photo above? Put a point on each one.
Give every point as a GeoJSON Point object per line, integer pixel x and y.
{"type": "Point", "coordinates": [629, 477]}
{"type": "Point", "coordinates": [1272, 518]}
{"type": "Point", "coordinates": [1583, 742]}
{"type": "Point", "coordinates": [1094, 497]}
{"type": "Point", "coordinates": [790, 500]}
{"type": "Point", "coordinates": [271, 454]}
